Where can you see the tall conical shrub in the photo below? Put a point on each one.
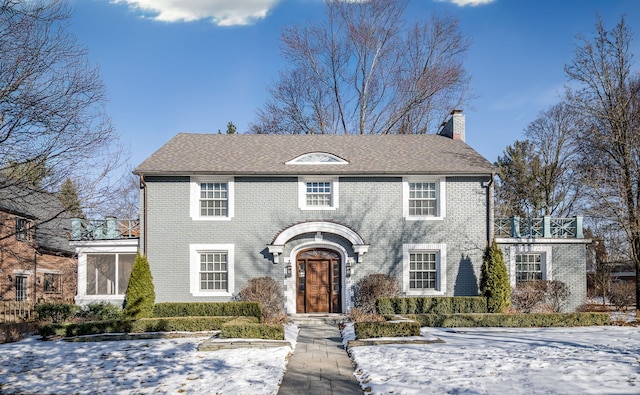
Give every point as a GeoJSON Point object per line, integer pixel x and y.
{"type": "Point", "coordinates": [141, 295]}
{"type": "Point", "coordinates": [494, 280]}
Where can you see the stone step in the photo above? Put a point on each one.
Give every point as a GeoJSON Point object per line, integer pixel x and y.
{"type": "Point", "coordinates": [318, 319]}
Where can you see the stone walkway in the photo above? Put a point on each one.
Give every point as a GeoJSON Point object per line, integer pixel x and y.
{"type": "Point", "coordinates": [319, 364]}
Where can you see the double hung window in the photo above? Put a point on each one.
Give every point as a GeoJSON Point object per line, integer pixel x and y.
{"type": "Point", "coordinates": [318, 193]}
{"type": "Point", "coordinates": [211, 198]}
{"type": "Point", "coordinates": [211, 269]}
{"type": "Point", "coordinates": [424, 198]}
{"type": "Point", "coordinates": [23, 229]}
{"type": "Point", "coordinates": [424, 269]}
{"type": "Point", "coordinates": [528, 267]}
{"type": "Point", "coordinates": [214, 199]}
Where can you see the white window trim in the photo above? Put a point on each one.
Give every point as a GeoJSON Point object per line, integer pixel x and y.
{"type": "Point", "coordinates": [302, 192]}
{"type": "Point", "coordinates": [546, 260]}
{"type": "Point", "coordinates": [441, 267]}
{"type": "Point", "coordinates": [441, 206]}
{"type": "Point", "coordinates": [194, 209]}
{"type": "Point", "coordinates": [194, 268]}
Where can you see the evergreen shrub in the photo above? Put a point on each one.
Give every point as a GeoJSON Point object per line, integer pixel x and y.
{"type": "Point", "coordinates": [512, 320]}
{"type": "Point", "coordinates": [369, 330]}
{"type": "Point", "coordinates": [242, 328]}
{"type": "Point", "coordinates": [55, 312]}
{"type": "Point", "coordinates": [432, 305]}
{"type": "Point", "coordinates": [140, 296]}
{"type": "Point", "coordinates": [494, 280]}
{"type": "Point", "coordinates": [243, 309]}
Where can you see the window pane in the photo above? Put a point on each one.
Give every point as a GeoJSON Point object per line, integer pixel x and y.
{"type": "Point", "coordinates": [213, 199]}
{"type": "Point", "coordinates": [319, 194]}
{"type": "Point", "coordinates": [528, 267]}
{"type": "Point", "coordinates": [213, 271]}
{"type": "Point", "coordinates": [101, 271]}
{"type": "Point", "coordinates": [125, 266]}
{"type": "Point", "coordinates": [422, 199]}
{"type": "Point", "coordinates": [423, 270]}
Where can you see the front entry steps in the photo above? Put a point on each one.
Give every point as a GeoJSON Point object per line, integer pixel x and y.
{"type": "Point", "coordinates": [310, 319]}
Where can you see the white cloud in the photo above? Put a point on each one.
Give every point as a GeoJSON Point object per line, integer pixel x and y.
{"type": "Point", "coordinates": [220, 12]}
{"type": "Point", "coordinates": [472, 3]}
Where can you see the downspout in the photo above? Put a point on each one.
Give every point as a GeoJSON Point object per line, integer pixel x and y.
{"type": "Point", "coordinates": [35, 276]}
{"type": "Point", "coordinates": [143, 186]}
{"type": "Point", "coordinates": [490, 209]}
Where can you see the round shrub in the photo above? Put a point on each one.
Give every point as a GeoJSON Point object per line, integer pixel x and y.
{"type": "Point", "coordinates": [374, 286]}
{"type": "Point", "coordinates": [267, 292]}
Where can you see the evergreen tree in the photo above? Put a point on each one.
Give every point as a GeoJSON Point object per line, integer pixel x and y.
{"type": "Point", "coordinates": [494, 280]}
{"type": "Point", "coordinates": [68, 195]}
{"type": "Point", "coordinates": [141, 295]}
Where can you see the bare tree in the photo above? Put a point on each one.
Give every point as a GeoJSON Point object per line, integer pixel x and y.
{"type": "Point", "coordinates": [552, 135]}
{"type": "Point", "coordinates": [52, 106]}
{"type": "Point", "coordinates": [363, 69]}
{"type": "Point", "coordinates": [607, 95]}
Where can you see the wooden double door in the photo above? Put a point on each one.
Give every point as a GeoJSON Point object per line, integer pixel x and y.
{"type": "Point", "coordinates": [318, 282]}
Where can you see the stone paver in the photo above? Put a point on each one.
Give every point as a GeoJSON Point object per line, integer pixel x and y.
{"type": "Point", "coordinates": [319, 364]}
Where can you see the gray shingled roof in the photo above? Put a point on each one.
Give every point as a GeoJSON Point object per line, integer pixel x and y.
{"type": "Point", "coordinates": [53, 225]}
{"type": "Point", "coordinates": [244, 154]}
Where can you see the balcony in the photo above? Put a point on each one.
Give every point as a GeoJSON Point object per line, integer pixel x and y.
{"type": "Point", "coordinates": [109, 228]}
{"type": "Point", "coordinates": [545, 227]}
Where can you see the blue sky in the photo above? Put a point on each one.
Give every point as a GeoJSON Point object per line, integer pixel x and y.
{"type": "Point", "coordinates": [193, 65]}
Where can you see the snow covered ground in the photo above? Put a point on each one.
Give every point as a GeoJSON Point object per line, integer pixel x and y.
{"type": "Point", "coordinates": [582, 360]}
{"type": "Point", "coordinates": [595, 360]}
{"type": "Point", "coordinates": [161, 366]}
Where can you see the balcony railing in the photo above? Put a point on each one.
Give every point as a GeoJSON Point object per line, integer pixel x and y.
{"type": "Point", "coordinates": [109, 228]}
{"type": "Point", "coordinates": [545, 227]}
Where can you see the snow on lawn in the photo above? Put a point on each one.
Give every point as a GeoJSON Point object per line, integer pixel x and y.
{"type": "Point", "coordinates": [582, 360]}
{"type": "Point", "coordinates": [139, 366]}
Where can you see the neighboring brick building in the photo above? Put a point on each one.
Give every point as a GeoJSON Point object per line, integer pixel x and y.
{"type": "Point", "coordinates": [36, 261]}
{"type": "Point", "coordinates": [317, 213]}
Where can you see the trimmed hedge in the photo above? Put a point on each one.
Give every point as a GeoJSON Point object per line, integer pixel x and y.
{"type": "Point", "coordinates": [432, 305]}
{"type": "Point", "coordinates": [528, 320]}
{"type": "Point", "coordinates": [243, 328]}
{"type": "Point", "coordinates": [171, 324]}
{"type": "Point", "coordinates": [218, 309]}
{"type": "Point", "coordinates": [368, 330]}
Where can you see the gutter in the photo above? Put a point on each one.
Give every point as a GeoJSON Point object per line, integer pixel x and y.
{"type": "Point", "coordinates": [143, 186]}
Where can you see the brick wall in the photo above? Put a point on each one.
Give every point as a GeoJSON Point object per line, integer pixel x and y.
{"type": "Point", "coordinates": [371, 206]}
{"type": "Point", "coordinates": [20, 258]}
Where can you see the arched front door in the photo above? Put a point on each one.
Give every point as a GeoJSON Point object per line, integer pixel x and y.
{"type": "Point", "coordinates": [318, 281]}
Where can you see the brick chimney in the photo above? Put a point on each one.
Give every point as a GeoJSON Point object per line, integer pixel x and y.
{"type": "Point", "coordinates": [454, 127]}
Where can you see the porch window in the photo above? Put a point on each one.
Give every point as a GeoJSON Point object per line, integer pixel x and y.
{"type": "Point", "coordinates": [52, 283]}
{"type": "Point", "coordinates": [213, 271]}
{"type": "Point", "coordinates": [528, 267]}
{"type": "Point", "coordinates": [108, 274]}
